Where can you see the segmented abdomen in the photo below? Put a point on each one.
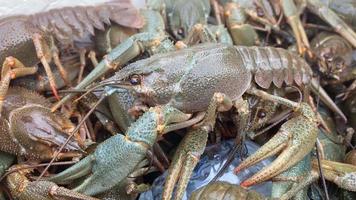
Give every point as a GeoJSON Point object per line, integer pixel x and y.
{"type": "Point", "coordinates": [75, 19]}
{"type": "Point", "coordinates": [274, 65]}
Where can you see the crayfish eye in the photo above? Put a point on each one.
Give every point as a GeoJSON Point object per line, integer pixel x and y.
{"type": "Point", "coordinates": [261, 114]}
{"type": "Point", "coordinates": [339, 63]}
{"type": "Point", "coordinates": [135, 79]}
{"type": "Point", "coordinates": [328, 56]}
{"type": "Point", "coordinates": [180, 32]}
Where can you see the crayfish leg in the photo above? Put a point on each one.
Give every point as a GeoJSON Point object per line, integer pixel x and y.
{"type": "Point", "coordinates": [12, 68]}
{"type": "Point", "coordinates": [191, 148]}
{"type": "Point", "coordinates": [42, 51]}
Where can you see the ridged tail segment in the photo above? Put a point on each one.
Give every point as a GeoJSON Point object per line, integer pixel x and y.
{"type": "Point", "coordinates": [76, 21]}
{"type": "Point", "coordinates": [275, 65]}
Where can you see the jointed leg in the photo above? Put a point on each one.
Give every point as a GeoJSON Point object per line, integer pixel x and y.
{"type": "Point", "coordinates": [291, 12]}
{"type": "Point", "coordinates": [11, 69]}
{"type": "Point", "coordinates": [59, 66]}
{"type": "Point", "coordinates": [82, 64]}
{"type": "Point", "coordinates": [277, 99]}
{"type": "Point", "coordinates": [199, 33]}
{"type": "Point", "coordinates": [296, 138]}
{"type": "Point", "coordinates": [191, 147]}
{"type": "Point", "coordinates": [40, 50]}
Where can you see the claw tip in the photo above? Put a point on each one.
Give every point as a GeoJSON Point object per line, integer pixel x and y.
{"type": "Point", "coordinates": [237, 170]}
{"type": "Point", "coordinates": [246, 184]}
{"type": "Point", "coordinates": [55, 93]}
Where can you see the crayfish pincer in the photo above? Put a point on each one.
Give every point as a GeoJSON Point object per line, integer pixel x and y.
{"type": "Point", "coordinates": [129, 150]}
{"type": "Point", "coordinates": [119, 155]}
{"type": "Point", "coordinates": [28, 128]}
{"type": "Point", "coordinates": [21, 188]}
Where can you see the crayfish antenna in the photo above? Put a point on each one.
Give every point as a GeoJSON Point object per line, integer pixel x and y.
{"type": "Point", "coordinates": [102, 97]}
{"type": "Point", "coordinates": [325, 98]}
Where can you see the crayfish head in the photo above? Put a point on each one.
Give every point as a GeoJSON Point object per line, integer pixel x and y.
{"type": "Point", "coordinates": [331, 64]}
{"type": "Point", "coordinates": [261, 113]}
{"type": "Point", "coordinates": [334, 54]}
{"type": "Point", "coordinates": [39, 132]}
{"type": "Point", "coordinates": [156, 80]}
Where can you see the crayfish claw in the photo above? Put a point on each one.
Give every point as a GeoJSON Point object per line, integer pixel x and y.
{"type": "Point", "coordinates": [296, 138]}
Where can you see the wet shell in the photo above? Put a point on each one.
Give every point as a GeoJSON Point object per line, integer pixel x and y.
{"type": "Point", "coordinates": [69, 20]}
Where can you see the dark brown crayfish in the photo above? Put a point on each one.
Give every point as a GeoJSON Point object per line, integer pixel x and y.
{"type": "Point", "coordinates": [28, 127]}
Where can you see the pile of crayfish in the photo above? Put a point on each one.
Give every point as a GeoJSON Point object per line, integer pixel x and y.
{"type": "Point", "coordinates": [100, 99]}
